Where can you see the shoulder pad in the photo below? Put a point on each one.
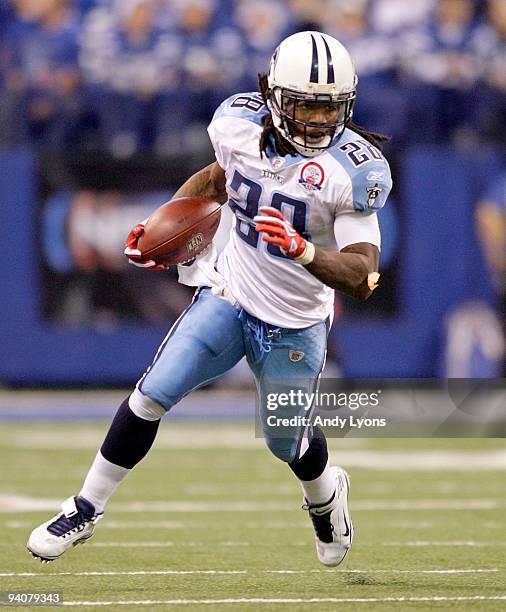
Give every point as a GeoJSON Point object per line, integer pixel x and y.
{"type": "Point", "coordinates": [249, 106]}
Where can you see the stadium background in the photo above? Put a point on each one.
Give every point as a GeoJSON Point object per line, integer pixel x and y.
{"type": "Point", "coordinates": [103, 109]}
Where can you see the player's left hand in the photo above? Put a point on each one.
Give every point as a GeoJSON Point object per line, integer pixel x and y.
{"type": "Point", "coordinates": [277, 230]}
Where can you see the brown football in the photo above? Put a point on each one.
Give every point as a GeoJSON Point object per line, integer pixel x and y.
{"type": "Point", "coordinates": [179, 230]}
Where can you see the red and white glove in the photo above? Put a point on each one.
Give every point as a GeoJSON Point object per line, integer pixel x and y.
{"type": "Point", "coordinates": [133, 253]}
{"type": "Point", "coordinates": [277, 230]}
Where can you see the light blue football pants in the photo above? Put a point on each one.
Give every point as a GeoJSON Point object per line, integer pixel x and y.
{"type": "Point", "coordinates": [212, 335]}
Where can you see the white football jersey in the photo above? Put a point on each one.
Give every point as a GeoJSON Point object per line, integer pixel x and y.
{"type": "Point", "coordinates": [330, 199]}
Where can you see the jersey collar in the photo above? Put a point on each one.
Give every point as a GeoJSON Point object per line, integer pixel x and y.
{"type": "Point", "coordinates": [277, 161]}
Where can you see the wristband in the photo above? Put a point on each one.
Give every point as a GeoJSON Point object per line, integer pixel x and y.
{"type": "Point", "coordinates": [307, 256]}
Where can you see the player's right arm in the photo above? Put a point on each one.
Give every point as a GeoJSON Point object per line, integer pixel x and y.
{"type": "Point", "coordinates": [210, 182]}
{"type": "Point", "coordinates": [350, 271]}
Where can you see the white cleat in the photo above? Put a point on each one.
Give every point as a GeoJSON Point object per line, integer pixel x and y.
{"type": "Point", "coordinates": [74, 525]}
{"type": "Point", "coordinates": [332, 522]}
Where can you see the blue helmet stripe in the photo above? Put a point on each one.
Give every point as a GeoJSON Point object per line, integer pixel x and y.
{"type": "Point", "coordinates": [313, 78]}
{"type": "Point", "coordinates": [330, 65]}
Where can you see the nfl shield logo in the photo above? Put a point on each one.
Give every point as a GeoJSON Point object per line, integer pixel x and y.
{"type": "Point", "coordinates": [295, 355]}
{"type": "Point", "coordinates": [194, 243]}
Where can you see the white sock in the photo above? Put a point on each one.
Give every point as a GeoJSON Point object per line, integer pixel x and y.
{"type": "Point", "coordinates": [101, 481]}
{"type": "Point", "coordinates": [321, 489]}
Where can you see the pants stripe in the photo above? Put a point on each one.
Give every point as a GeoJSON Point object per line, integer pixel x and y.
{"type": "Point", "coordinates": [304, 436]}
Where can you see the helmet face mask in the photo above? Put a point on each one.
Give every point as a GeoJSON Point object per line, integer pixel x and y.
{"type": "Point", "coordinates": [312, 121]}
{"type": "Point", "coordinates": [311, 91]}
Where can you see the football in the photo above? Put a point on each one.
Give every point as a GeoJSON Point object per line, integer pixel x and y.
{"type": "Point", "coordinates": [179, 230]}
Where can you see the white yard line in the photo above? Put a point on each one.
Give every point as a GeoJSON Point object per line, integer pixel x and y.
{"type": "Point", "coordinates": [21, 503]}
{"type": "Point", "coordinates": [173, 525]}
{"type": "Point", "coordinates": [167, 544]}
{"type": "Point", "coordinates": [258, 600]}
{"type": "Point", "coordinates": [124, 524]}
{"type": "Point", "coordinates": [444, 543]}
{"type": "Point", "coordinates": [349, 452]}
{"type": "Point", "coordinates": [428, 504]}
{"type": "Point", "coordinates": [233, 543]}
{"type": "Point", "coordinates": [242, 543]}
{"type": "Point", "coordinates": [492, 525]}
{"type": "Point", "coordinates": [421, 460]}
{"type": "Point", "coordinates": [387, 571]}
{"type": "Point", "coordinates": [233, 572]}
{"type": "Point", "coordinates": [81, 437]}
{"type": "Point", "coordinates": [239, 544]}
{"type": "Point", "coordinates": [110, 524]}
{"type": "Point", "coordinates": [409, 524]}
{"type": "Point", "coordinates": [132, 573]}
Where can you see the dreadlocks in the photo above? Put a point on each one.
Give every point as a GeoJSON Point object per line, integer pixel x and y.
{"type": "Point", "coordinates": [285, 148]}
{"type": "Point", "coordinates": [374, 138]}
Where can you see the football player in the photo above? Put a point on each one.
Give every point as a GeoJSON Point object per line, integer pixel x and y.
{"type": "Point", "coordinates": [305, 185]}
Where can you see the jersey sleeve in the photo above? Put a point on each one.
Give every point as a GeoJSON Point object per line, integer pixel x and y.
{"type": "Point", "coordinates": [368, 174]}
{"type": "Point", "coordinates": [350, 228]}
{"type": "Point", "coordinates": [233, 119]}
{"type": "Point", "coordinates": [222, 146]}
{"type": "Point", "coordinates": [371, 186]}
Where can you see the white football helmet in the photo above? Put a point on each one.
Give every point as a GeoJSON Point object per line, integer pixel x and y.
{"type": "Point", "coordinates": [311, 91]}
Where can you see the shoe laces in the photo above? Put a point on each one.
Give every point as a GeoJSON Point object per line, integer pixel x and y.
{"type": "Point", "coordinates": [77, 513]}
{"type": "Point", "coordinates": [320, 517]}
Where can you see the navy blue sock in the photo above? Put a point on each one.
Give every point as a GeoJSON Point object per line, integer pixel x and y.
{"type": "Point", "coordinates": [129, 438]}
{"type": "Point", "coordinates": [313, 461]}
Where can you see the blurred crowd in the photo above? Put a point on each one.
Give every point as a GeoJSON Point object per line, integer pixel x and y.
{"type": "Point", "coordinates": [126, 76]}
